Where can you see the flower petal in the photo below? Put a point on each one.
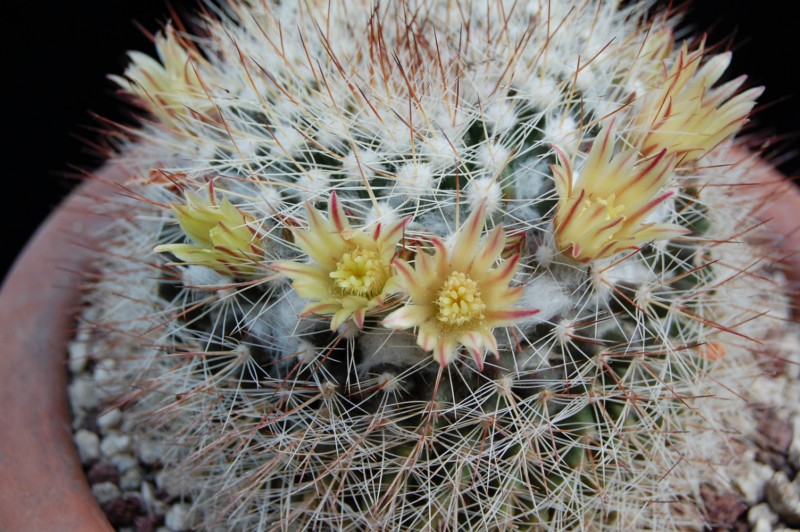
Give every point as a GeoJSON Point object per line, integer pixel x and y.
{"type": "Point", "coordinates": [412, 283]}
{"type": "Point", "coordinates": [428, 336]}
{"type": "Point", "coordinates": [324, 246]}
{"type": "Point", "coordinates": [659, 232]}
{"type": "Point", "coordinates": [467, 244]}
{"type": "Point", "coordinates": [391, 286]}
{"type": "Point", "coordinates": [299, 269]}
{"type": "Point", "coordinates": [445, 351]}
{"type": "Point", "coordinates": [407, 316]}
{"type": "Point", "coordinates": [492, 248]}
{"type": "Point", "coordinates": [474, 343]}
{"type": "Point", "coordinates": [388, 237]}
{"type": "Point", "coordinates": [425, 265]}
{"type": "Point", "coordinates": [598, 161]}
{"type": "Point", "coordinates": [502, 275]}
{"type": "Point", "coordinates": [358, 317]}
{"type": "Point", "coordinates": [499, 318]}
{"type": "Point", "coordinates": [320, 307]}
{"type": "Point", "coordinates": [562, 172]}
{"type": "Point", "coordinates": [336, 214]}
{"type": "Point", "coordinates": [340, 317]}
{"type": "Point", "coordinates": [490, 341]}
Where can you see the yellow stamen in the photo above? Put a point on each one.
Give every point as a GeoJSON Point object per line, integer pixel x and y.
{"type": "Point", "coordinates": [459, 301]}
{"type": "Point", "coordinates": [360, 272]}
{"type": "Point", "coordinates": [612, 211]}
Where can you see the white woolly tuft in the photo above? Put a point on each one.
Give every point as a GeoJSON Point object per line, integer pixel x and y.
{"type": "Point", "coordinates": [440, 149]}
{"type": "Point", "coordinates": [501, 116]}
{"type": "Point", "coordinates": [543, 92]}
{"type": "Point", "coordinates": [563, 131]}
{"type": "Point", "coordinates": [202, 277]}
{"type": "Point", "coordinates": [484, 189]}
{"type": "Point", "coordinates": [381, 347]}
{"type": "Point", "coordinates": [548, 296]}
{"type": "Point", "coordinates": [287, 141]}
{"type": "Point", "coordinates": [361, 164]}
{"type": "Point", "coordinates": [381, 213]}
{"type": "Point", "coordinates": [269, 201]}
{"type": "Point", "coordinates": [493, 157]}
{"type": "Point", "coordinates": [348, 330]}
{"type": "Point", "coordinates": [313, 184]}
{"type": "Point", "coordinates": [415, 180]}
{"type": "Point", "coordinates": [306, 352]}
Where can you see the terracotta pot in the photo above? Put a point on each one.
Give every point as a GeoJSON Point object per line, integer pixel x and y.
{"type": "Point", "coordinates": [44, 487]}
{"type": "Point", "coordinates": [780, 211]}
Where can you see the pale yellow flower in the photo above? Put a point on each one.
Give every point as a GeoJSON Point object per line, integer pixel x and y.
{"type": "Point", "coordinates": [167, 87]}
{"type": "Point", "coordinates": [683, 114]}
{"type": "Point", "coordinates": [657, 46]}
{"type": "Point", "coordinates": [603, 212]}
{"type": "Point", "coordinates": [223, 236]}
{"type": "Point", "coordinates": [457, 297]}
{"type": "Point", "coordinates": [349, 274]}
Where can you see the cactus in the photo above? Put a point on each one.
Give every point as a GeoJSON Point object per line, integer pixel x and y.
{"type": "Point", "coordinates": [435, 265]}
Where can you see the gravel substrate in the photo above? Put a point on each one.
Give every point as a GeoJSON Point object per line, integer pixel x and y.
{"type": "Point", "coordinates": [766, 492]}
{"type": "Point", "coordinates": [124, 472]}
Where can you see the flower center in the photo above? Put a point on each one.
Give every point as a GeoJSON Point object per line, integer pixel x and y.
{"type": "Point", "coordinates": [612, 211]}
{"type": "Point", "coordinates": [459, 301]}
{"type": "Point", "coordinates": [360, 273]}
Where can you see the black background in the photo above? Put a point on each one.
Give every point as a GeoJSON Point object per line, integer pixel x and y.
{"type": "Point", "coordinates": [61, 53]}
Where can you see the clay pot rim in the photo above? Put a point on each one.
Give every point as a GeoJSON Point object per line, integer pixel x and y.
{"type": "Point", "coordinates": [45, 487]}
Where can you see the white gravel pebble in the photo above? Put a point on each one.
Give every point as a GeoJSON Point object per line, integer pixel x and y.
{"type": "Point", "coordinates": [762, 525]}
{"type": "Point", "coordinates": [82, 395]}
{"type": "Point", "coordinates": [115, 443]}
{"type": "Point", "coordinates": [106, 377]}
{"type": "Point", "coordinates": [88, 444]}
{"type": "Point", "coordinates": [177, 518]}
{"type": "Point", "coordinates": [78, 356]}
{"type": "Point", "coordinates": [123, 461]}
{"type": "Point", "coordinates": [761, 513]}
{"type": "Point", "coordinates": [109, 420]}
{"type": "Point", "coordinates": [151, 503]}
{"type": "Point", "coordinates": [794, 447]}
{"type": "Point", "coordinates": [150, 451]}
{"type": "Point", "coordinates": [751, 481]}
{"type": "Point", "coordinates": [783, 498]}
{"type": "Point", "coordinates": [174, 487]}
{"type": "Point", "coordinates": [131, 479]}
{"type": "Point", "coordinates": [105, 492]}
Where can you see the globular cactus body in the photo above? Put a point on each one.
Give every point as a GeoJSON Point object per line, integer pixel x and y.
{"type": "Point", "coordinates": [434, 265]}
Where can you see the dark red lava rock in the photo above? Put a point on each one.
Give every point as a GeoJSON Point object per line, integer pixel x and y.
{"type": "Point", "coordinates": [723, 508]}
{"type": "Point", "coordinates": [123, 510]}
{"type": "Point", "coordinates": [103, 472]}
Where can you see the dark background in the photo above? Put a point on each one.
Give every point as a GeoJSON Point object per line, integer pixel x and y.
{"type": "Point", "coordinates": [61, 53]}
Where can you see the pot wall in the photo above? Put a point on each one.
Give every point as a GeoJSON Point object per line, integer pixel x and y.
{"type": "Point", "coordinates": [44, 486]}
